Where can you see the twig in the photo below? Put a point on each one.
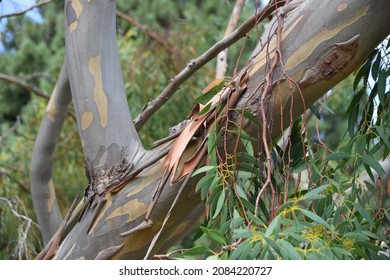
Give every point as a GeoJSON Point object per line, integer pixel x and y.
{"type": "Point", "coordinates": [197, 63]}
{"type": "Point", "coordinates": [23, 84]}
{"type": "Point", "coordinates": [222, 56]}
{"type": "Point", "coordinates": [18, 13]}
{"type": "Point", "coordinates": [23, 228]}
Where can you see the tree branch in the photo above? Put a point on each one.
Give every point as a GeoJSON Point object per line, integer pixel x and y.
{"type": "Point", "coordinates": [42, 186]}
{"type": "Point", "coordinates": [23, 84]}
{"type": "Point", "coordinates": [44, 2]}
{"type": "Point", "coordinates": [200, 61]}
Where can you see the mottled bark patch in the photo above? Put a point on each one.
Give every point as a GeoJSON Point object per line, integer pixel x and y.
{"type": "Point", "coordinates": [99, 96]}
{"type": "Point", "coordinates": [52, 109]}
{"type": "Point", "coordinates": [86, 120]}
{"type": "Point", "coordinates": [73, 11]}
{"type": "Point", "coordinates": [332, 62]}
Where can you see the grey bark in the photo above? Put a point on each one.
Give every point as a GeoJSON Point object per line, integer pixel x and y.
{"type": "Point", "coordinates": [42, 186]}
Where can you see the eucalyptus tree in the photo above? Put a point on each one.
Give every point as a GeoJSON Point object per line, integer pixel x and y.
{"type": "Point", "coordinates": [138, 201]}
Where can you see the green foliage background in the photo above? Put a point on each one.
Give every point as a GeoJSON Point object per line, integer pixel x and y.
{"type": "Point", "coordinates": [34, 51]}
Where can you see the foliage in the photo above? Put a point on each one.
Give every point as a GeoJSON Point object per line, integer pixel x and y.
{"type": "Point", "coordinates": [317, 204]}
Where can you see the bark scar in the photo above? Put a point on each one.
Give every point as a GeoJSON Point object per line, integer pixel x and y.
{"type": "Point", "coordinates": [332, 62]}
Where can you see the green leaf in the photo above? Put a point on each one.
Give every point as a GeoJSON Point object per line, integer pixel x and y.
{"type": "Point", "coordinates": [289, 250]}
{"type": "Point", "coordinates": [205, 181]}
{"type": "Point", "coordinates": [356, 236]}
{"type": "Point", "coordinates": [369, 245]}
{"type": "Point", "coordinates": [340, 252]}
{"type": "Point", "coordinates": [365, 214]}
{"type": "Point", "coordinates": [220, 203]}
{"type": "Point", "coordinates": [313, 194]}
{"type": "Point", "coordinates": [338, 156]}
{"type": "Point", "coordinates": [214, 235]}
{"type": "Point", "coordinates": [196, 251]}
{"type": "Point", "coordinates": [384, 134]}
{"type": "Point", "coordinates": [205, 109]}
{"type": "Point", "coordinates": [203, 169]}
{"type": "Point", "coordinates": [274, 245]}
{"type": "Point", "coordinates": [373, 163]}
{"type": "Point", "coordinates": [210, 90]}
{"type": "Point", "coordinates": [382, 85]}
{"type": "Point", "coordinates": [363, 72]}
{"type": "Point", "coordinates": [273, 226]}
{"type": "Point", "coordinates": [315, 218]}
{"type": "Point", "coordinates": [315, 111]}
{"type": "Point", "coordinates": [241, 192]}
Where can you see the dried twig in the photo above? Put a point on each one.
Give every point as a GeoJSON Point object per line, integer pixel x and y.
{"type": "Point", "coordinates": [18, 13]}
{"type": "Point", "coordinates": [24, 227]}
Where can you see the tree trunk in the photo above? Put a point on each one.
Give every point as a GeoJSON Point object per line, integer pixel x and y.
{"type": "Point", "coordinates": [314, 45]}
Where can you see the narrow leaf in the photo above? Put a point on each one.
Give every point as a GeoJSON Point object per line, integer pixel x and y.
{"type": "Point", "coordinates": [314, 192]}
{"type": "Point", "coordinates": [374, 164]}
{"type": "Point", "coordinates": [214, 235]}
{"type": "Point", "coordinates": [196, 251]}
{"type": "Point", "coordinates": [365, 214]}
{"type": "Point", "coordinates": [315, 111]}
{"type": "Point", "coordinates": [338, 156]}
{"type": "Point", "coordinates": [203, 169]}
{"type": "Point", "coordinates": [315, 218]}
{"type": "Point", "coordinates": [221, 201]}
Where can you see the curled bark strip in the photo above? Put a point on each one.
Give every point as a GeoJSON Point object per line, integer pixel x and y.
{"type": "Point", "coordinates": [106, 254]}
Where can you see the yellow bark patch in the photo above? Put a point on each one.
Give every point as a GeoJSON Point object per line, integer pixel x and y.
{"type": "Point", "coordinates": [133, 208]}
{"type": "Point", "coordinates": [86, 120]}
{"type": "Point", "coordinates": [150, 176]}
{"type": "Point", "coordinates": [73, 26]}
{"type": "Point", "coordinates": [99, 96]}
{"type": "Point", "coordinates": [51, 109]}
{"type": "Point", "coordinates": [342, 7]}
{"type": "Point", "coordinates": [139, 239]}
{"type": "Point", "coordinates": [78, 8]}
{"type": "Point", "coordinates": [325, 34]}
{"type": "Point", "coordinates": [52, 196]}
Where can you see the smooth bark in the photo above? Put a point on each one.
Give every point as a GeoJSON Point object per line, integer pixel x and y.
{"type": "Point", "coordinates": [42, 186]}
{"type": "Point", "coordinates": [320, 43]}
